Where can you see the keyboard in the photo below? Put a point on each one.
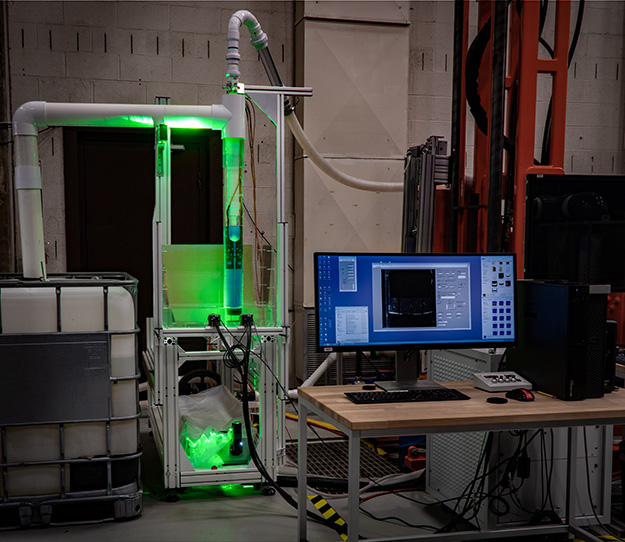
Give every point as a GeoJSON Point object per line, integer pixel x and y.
{"type": "Point", "coordinates": [405, 396]}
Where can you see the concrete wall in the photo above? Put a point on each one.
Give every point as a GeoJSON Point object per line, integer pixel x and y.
{"type": "Point", "coordinates": [357, 118]}
{"type": "Point", "coordinates": [133, 52]}
{"type": "Point", "coordinates": [596, 94]}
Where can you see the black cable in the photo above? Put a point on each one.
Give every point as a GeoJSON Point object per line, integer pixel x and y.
{"type": "Point", "coordinates": [473, 62]}
{"type": "Point", "coordinates": [545, 148]}
{"type": "Point", "coordinates": [484, 497]}
{"type": "Point", "coordinates": [501, 366]}
{"type": "Point", "coordinates": [543, 16]}
{"type": "Point", "coordinates": [471, 72]}
{"type": "Point", "coordinates": [395, 518]}
{"type": "Point", "coordinates": [547, 47]}
{"type": "Point", "coordinates": [286, 398]}
{"type": "Point", "coordinates": [469, 489]}
{"type": "Point", "coordinates": [377, 371]}
{"type": "Point", "coordinates": [547, 475]}
{"type": "Point", "coordinates": [481, 497]}
{"type": "Point", "coordinates": [261, 233]}
{"type": "Point", "coordinates": [474, 57]}
{"type": "Point", "coordinates": [243, 366]}
{"type": "Point", "coordinates": [480, 480]}
{"type": "Point", "coordinates": [496, 511]}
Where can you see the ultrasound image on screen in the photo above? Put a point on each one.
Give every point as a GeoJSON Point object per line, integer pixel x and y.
{"type": "Point", "coordinates": [408, 298]}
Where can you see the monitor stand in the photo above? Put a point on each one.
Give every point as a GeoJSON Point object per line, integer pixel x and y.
{"type": "Point", "coordinates": [407, 373]}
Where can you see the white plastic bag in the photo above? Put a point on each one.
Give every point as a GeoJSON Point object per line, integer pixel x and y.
{"type": "Point", "coordinates": [215, 407]}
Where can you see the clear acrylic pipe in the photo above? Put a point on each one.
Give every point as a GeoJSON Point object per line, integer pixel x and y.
{"type": "Point", "coordinates": [233, 231]}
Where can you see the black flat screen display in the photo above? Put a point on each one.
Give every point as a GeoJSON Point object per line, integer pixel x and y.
{"type": "Point", "coordinates": [378, 301]}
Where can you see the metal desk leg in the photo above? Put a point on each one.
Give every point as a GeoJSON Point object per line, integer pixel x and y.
{"type": "Point", "coordinates": [571, 486]}
{"type": "Point", "coordinates": [302, 436]}
{"type": "Point", "coordinates": [353, 486]}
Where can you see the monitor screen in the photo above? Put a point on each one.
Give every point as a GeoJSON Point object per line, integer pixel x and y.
{"type": "Point", "coordinates": [401, 301]}
{"type": "Point", "coordinates": [575, 229]}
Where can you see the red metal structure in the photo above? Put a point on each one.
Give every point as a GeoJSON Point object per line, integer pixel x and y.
{"type": "Point", "coordinates": [489, 188]}
{"type": "Point", "coordinates": [524, 68]}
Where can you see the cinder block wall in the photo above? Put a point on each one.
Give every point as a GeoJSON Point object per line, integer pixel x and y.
{"type": "Point", "coordinates": [133, 52]}
{"type": "Point", "coordinates": [595, 93]}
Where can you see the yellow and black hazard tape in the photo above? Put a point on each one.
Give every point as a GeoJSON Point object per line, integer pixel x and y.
{"type": "Point", "coordinates": [330, 514]}
{"type": "Point", "coordinates": [602, 537]}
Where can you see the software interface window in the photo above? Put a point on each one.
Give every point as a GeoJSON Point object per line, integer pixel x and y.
{"type": "Point", "coordinates": [403, 299]}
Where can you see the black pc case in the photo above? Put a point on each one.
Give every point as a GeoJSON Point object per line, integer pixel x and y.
{"type": "Point", "coordinates": [562, 338]}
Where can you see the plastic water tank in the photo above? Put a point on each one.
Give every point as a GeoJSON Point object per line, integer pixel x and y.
{"type": "Point", "coordinates": [66, 308]}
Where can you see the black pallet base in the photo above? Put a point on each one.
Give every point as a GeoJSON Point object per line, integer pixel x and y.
{"type": "Point", "coordinates": [70, 511]}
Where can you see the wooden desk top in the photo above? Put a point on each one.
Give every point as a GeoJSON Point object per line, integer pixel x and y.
{"type": "Point", "coordinates": [469, 415]}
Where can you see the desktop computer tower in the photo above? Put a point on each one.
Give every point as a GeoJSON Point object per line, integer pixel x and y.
{"type": "Point", "coordinates": [452, 458]}
{"type": "Point", "coordinates": [561, 338]}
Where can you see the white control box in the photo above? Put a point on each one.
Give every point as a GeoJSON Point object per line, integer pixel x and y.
{"type": "Point", "coordinates": [500, 381]}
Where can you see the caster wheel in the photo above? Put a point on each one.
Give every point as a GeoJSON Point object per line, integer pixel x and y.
{"type": "Point", "coordinates": [172, 497]}
{"type": "Point", "coordinates": [268, 491]}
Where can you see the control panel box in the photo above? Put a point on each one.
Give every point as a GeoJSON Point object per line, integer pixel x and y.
{"type": "Point", "coordinates": [500, 381]}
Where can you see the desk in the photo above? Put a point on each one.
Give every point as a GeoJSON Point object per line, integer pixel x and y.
{"type": "Point", "coordinates": [402, 419]}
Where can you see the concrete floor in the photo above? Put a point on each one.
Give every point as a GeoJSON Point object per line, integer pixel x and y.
{"type": "Point", "coordinates": [223, 515]}
{"type": "Point", "coordinates": [213, 514]}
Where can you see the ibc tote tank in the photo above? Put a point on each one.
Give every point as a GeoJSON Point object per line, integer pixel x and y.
{"type": "Point", "coordinates": [69, 413]}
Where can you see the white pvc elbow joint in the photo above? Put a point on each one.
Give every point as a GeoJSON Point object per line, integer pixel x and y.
{"type": "Point", "coordinates": [28, 118]}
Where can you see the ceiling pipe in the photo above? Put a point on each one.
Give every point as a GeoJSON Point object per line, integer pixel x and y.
{"type": "Point", "coordinates": [260, 43]}
{"type": "Point", "coordinates": [30, 117]}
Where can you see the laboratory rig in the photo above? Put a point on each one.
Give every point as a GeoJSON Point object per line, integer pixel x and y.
{"type": "Point", "coordinates": [216, 412]}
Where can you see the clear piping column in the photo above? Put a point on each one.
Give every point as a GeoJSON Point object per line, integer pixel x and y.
{"type": "Point", "coordinates": [233, 139]}
{"type": "Point", "coordinates": [233, 231]}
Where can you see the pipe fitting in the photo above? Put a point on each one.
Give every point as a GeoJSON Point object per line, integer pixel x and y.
{"type": "Point", "coordinates": [28, 118]}
{"type": "Point", "coordinates": [258, 38]}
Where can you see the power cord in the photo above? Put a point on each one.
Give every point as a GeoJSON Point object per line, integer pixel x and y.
{"type": "Point", "coordinates": [242, 365]}
{"type": "Point", "coordinates": [588, 487]}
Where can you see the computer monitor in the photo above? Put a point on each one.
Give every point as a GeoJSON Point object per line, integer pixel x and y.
{"type": "Point", "coordinates": [574, 229]}
{"type": "Point", "coordinates": [367, 302]}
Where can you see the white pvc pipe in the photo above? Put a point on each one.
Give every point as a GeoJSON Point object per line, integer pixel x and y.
{"type": "Point", "coordinates": [258, 38]}
{"type": "Point", "coordinates": [31, 233]}
{"type": "Point", "coordinates": [33, 115]}
{"type": "Point", "coordinates": [312, 379]}
{"type": "Point", "coordinates": [30, 117]}
{"type": "Point", "coordinates": [259, 41]}
{"type": "Point", "coordinates": [330, 170]}
{"type": "Point", "coordinates": [28, 190]}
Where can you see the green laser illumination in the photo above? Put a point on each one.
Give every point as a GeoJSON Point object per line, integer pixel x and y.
{"type": "Point", "coordinates": [233, 242]}
{"type": "Point", "coordinates": [213, 450]}
{"type": "Point", "coordinates": [145, 121]}
{"type": "Point", "coordinates": [189, 122]}
{"type": "Point", "coordinates": [172, 122]}
{"type": "Point", "coordinates": [204, 452]}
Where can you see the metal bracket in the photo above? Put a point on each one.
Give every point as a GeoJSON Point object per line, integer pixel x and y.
{"type": "Point", "coordinates": [265, 97]}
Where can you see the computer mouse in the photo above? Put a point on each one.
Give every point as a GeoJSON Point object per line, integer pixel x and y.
{"type": "Point", "coordinates": [520, 394]}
